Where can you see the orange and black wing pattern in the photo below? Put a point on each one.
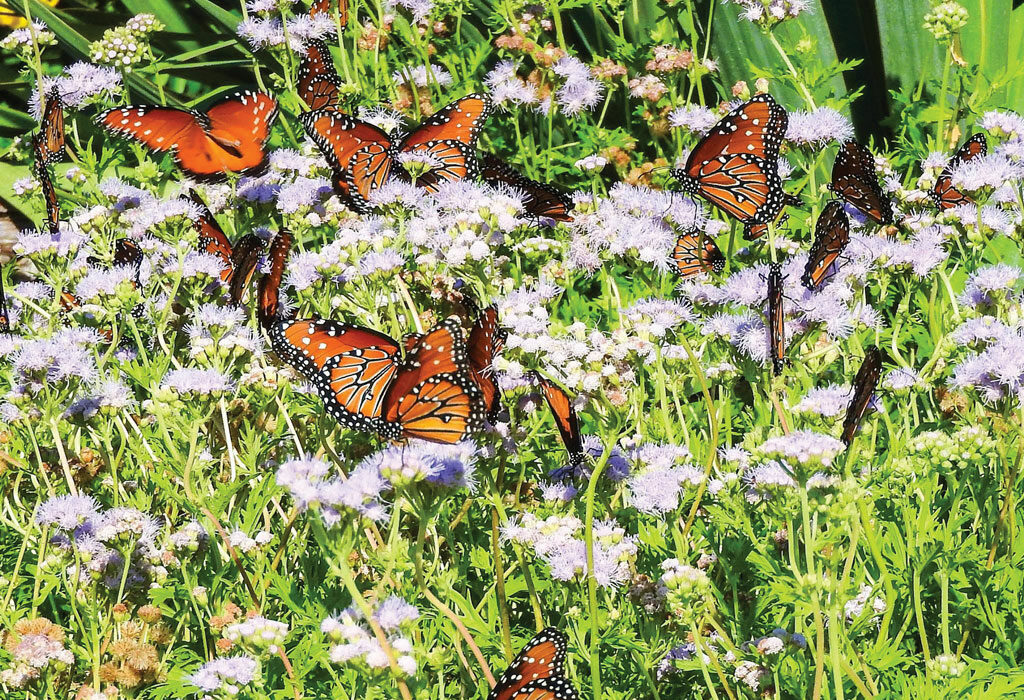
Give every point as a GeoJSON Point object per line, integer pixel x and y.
{"type": "Point", "coordinates": [212, 239]}
{"type": "Point", "coordinates": [538, 671]}
{"type": "Point", "coordinates": [486, 339]}
{"type": "Point", "coordinates": [566, 419]}
{"type": "Point", "coordinates": [864, 385]}
{"type": "Point", "coordinates": [318, 81]}
{"type": "Point", "coordinates": [49, 142]}
{"type": "Point", "coordinates": [245, 260]}
{"type": "Point", "coordinates": [855, 180]}
{"type": "Point", "coordinates": [5, 316]}
{"type": "Point", "coordinates": [735, 166]}
{"type": "Point", "coordinates": [944, 194]}
{"type": "Point", "coordinates": [269, 289]}
{"type": "Point", "coordinates": [540, 200]}
{"type": "Point", "coordinates": [433, 396]}
{"type": "Point", "coordinates": [694, 254]}
{"type": "Point", "coordinates": [776, 319]}
{"type": "Point", "coordinates": [831, 236]}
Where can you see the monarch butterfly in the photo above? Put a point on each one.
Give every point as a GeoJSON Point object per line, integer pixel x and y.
{"type": "Point", "coordinates": [486, 339]}
{"type": "Point", "coordinates": [776, 319]}
{"type": "Point", "coordinates": [944, 194]}
{"type": "Point", "coordinates": [735, 166]}
{"type": "Point", "coordinates": [239, 261]}
{"type": "Point", "coordinates": [5, 317]}
{"type": "Point", "coordinates": [318, 80]}
{"type": "Point", "coordinates": [538, 671]}
{"type": "Point", "coordinates": [854, 179]}
{"type": "Point", "coordinates": [540, 200]}
{"type": "Point", "coordinates": [323, 7]}
{"type": "Point", "coordinates": [230, 137]}
{"type": "Point", "coordinates": [49, 142]}
{"type": "Point", "coordinates": [566, 419]}
{"type": "Point", "coordinates": [269, 286]}
{"type": "Point", "coordinates": [695, 253]}
{"type": "Point", "coordinates": [363, 156]}
{"type": "Point", "coordinates": [864, 385]}
{"type": "Point", "coordinates": [49, 191]}
{"type": "Point", "coordinates": [831, 235]}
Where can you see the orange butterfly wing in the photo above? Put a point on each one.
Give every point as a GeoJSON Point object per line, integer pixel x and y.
{"type": "Point", "coordinates": [359, 153]}
{"type": "Point", "coordinates": [454, 162]}
{"type": "Point", "coordinates": [51, 131]}
{"type": "Point", "coordinates": [864, 385]}
{"type": "Point", "coordinates": [318, 81]}
{"type": "Point", "coordinates": [486, 339]}
{"type": "Point", "coordinates": [433, 397]}
{"type": "Point", "coordinates": [5, 318]}
{"type": "Point", "coordinates": [459, 121]}
{"type": "Point", "coordinates": [269, 287]}
{"type": "Point", "coordinates": [540, 199]}
{"type": "Point", "coordinates": [854, 179]}
{"type": "Point", "coordinates": [566, 419]}
{"type": "Point", "coordinates": [49, 196]}
{"type": "Point", "coordinates": [212, 239]}
{"type": "Point", "coordinates": [944, 194]}
{"type": "Point", "coordinates": [696, 253]}
{"type": "Point", "coordinates": [831, 235]}
{"type": "Point", "coordinates": [539, 668]}
{"type": "Point", "coordinates": [245, 259]}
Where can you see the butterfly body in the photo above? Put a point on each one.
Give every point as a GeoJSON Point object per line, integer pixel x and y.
{"type": "Point", "coordinates": [776, 319]}
{"type": "Point", "coordinates": [696, 253]}
{"type": "Point", "coordinates": [864, 385]}
{"type": "Point", "coordinates": [239, 261]}
{"type": "Point", "coordinates": [566, 420]}
{"type": "Point", "coordinates": [486, 340]}
{"type": "Point", "coordinates": [49, 142]}
{"type": "Point", "coordinates": [230, 137]}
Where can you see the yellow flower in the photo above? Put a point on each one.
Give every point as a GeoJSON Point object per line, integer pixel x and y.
{"type": "Point", "coordinates": [9, 18]}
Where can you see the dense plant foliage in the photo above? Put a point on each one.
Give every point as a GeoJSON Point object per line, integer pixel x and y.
{"type": "Point", "coordinates": [182, 517]}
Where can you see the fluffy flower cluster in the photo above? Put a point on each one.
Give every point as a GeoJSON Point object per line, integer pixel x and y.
{"type": "Point", "coordinates": [355, 643]}
{"type": "Point", "coordinates": [36, 647]}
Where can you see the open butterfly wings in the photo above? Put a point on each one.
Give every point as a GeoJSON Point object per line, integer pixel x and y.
{"type": "Point", "coordinates": [318, 81]}
{"type": "Point", "coordinates": [854, 179]}
{"type": "Point", "coordinates": [538, 671]}
{"type": "Point", "coordinates": [735, 166]}
{"type": "Point", "coordinates": [540, 199]}
{"type": "Point", "coordinates": [831, 236]}
{"type": "Point", "coordinates": [944, 194]}
{"type": "Point", "coordinates": [696, 253]}
{"type": "Point", "coordinates": [776, 319]}
{"type": "Point", "coordinates": [864, 385]}
{"type": "Point", "coordinates": [229, 138]}
{"type": "Point", "coordinates": [363, 157]}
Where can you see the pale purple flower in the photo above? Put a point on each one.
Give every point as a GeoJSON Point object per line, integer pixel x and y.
{"type": "Point", "coordinates": [198, 264]}
{"type": "Point", "coordinates": [656, 490]}
{"type": "Point", "coordinates": [580, 91]}
{"type": "Point", "coordinates": [305, 28]}
{"type": "Point", "coordinates": [99, 283]}
{"type": "Point", "coordinates": [291, 161]}
{"type": "Point", "coordinates": [828, 401]}
{"type": "Point", "coordinates": [80, 85]}
{"type": "Point", "coordinates": [985, 282]}
{"type": "Point", "coordinates": [123, 523]}
{"type": "Point", "coordinates": [693, 118]}
{"type": "Point", "coordinates": [819, 127]}
{"type": "Point", "coordinates": [395, 612]}
{"type": "Point", "coordinates": [991, 170]}
{"type": "Point", "coordinates": [111, 394]}
{"type": "Point", "coordinates": [506, 86]}
{"type": "Point", "coordinates": [261, 189]}
{"type": "Point", "coordinates": [420, 76]}
{"type": "Point", "coordinates": [981, 329]}
{"type": "Point", "coordinates": [803, 447]}
{"type": "Point", "coordinates": [359, 494]}
{"type": "Point", "coordinates": [419, 9]}
{"type": "Point", "coordinates": [225, 673]}
{"type": "Point", "coordinates": [266, 32]}
{"type": "Point", "coordinates": [900, 379]}
{"type": "Point", "coordinates": [1005, 123]}
{"type": "Point", "coordinates": [63, 243]}
{"type": "Point", "coordinates": [303, 192]}
{"type": "Point", "coordinates": [190, 380]}
{"type": "Point", "coordinates": [67, 512]}
{"type": "Point", "coordinates": [383, 118]}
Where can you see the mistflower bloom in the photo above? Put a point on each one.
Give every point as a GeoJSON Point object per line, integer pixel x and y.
{"type": "Point", "coordinates": [228, 675]}
{"type": "Point", "coordinates": [419, 9]}
{"type": "Point", "coordinates": [770, 12]}
{"type": "Point", "coordinates": [591, 163]}
{"type": "Point", "coordinates": [683, 652]}
{"type": "Point", "coordinates": [394, 613]}
{"type": "Point", "coordinates": [422, 76]}
{"type": "Point", "coordinates": [383, 118]}
{"type": "Point", "coordinates": [67, 512]}
{"type": "Point", "coordinates": [303, 478]}
{"type": "Point", "coordinates": [828, 401]}
{"type": "Point", "coordinates": [305, 28]}
{"type": "Point", "coordinates": [694, 118]}
{"type": "Point", "coordinates": [153, 212]}
{"type": "Point", "coordinates": [901, 379]}
{"type": "Point", "coordinates": [266, 32]}
{"type": "Point", "coordinates": [580, 91]}
{"type": "Point", "coordinates": [803, 448]}
{"type": "Point", "coordinates": [656, 490]}
{"type": "Point", "coordinates": [992, 170]}
{"type": "Point", "coordinates": [647, 87]}
{"type": "Point", "coordinates": [109, 397]}
{"type": "Point", "coordinates": [19, 38]}
{"type": "Point", "coordinates": [63, 243]}
{"type": "Point", "coordinates": [123, 524]}
{"type": "Point", "coordinates": [688, 591]}
{"type": "Point", "coordinates": [818, 127]}
{"type": "Point", "coordinates": [669, 59]}
{"type": "Point", "coordinates": [81, 84]}
{"type": "Point", "coordinates": [99, 283]}
{"type": "Point", "coordinates": [989, 283]}
{"type": "Point", "coordinates": [855, 608]}
{"type": "Point", "coordinates": [1009, 124]}
{"type": "Point", "coordinates": [449, 466]}
{"type": "Point", "coordinates": [360, 494]}
{"type": "Point", "coordinates": [657, 316]}
{"type": "Point", "coordinates": [197, 381]}
{"type": "Point", "coordinates": [507, 87]}
{"type": "Point", "coordinates": [258, 635]}
{"type": "Point", "coordinates": [302, 192]}
{"type": "Point", "coordinates": [35, 645]}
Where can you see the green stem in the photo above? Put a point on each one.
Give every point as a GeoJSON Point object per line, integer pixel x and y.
{"type": "Point", "coordinates": [588, 534]}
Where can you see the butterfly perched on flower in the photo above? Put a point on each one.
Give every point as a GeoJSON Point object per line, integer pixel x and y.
{"type": "Point", "coordinates": [323, 7]}
{"type": "Point", "coordinates": [486, 340]}
{"type": "Point", "coordinates": [695, 253]}
{"type": "Point", "coordinates": [864, 385]}
{"type": "Point", "coordinates": [944, 194]}
{"type": "Point", "coordinates": [230, 137]}
{"type": "Point", "coordinates": [318, 81]}
{"type": "Point", "coordinates": [538, 671]}
{"type": "Point", "coordinates": [239, 261]}
{"type": "Point", "coordinates": [540, 200]}
{"type": "Point", "coordinates": [776, 319]}
{"type": "Point", "coordinates": [368, 381]}
{"type": "Point", "coordinates": [5, 317]}
{"type": "Point", "coordinates": [831, 236]}
{"type": "Point", "coordinates": [855, 180]}
{"type": "Point", "coordinates": [735, 166]}
{"type": "Point", "coordinates": [567, 421]}
{"type": "Point", "coordinates": [363, 157]}
{"type": "Point", "coordinates": [42, 173]}
{"type": "Point", "coordinates": [48, 144]}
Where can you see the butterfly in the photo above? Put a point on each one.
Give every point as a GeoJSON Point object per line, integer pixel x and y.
{"type": "Point", "coordinates": [566, 419]}
{"type": "Point", "coordinates": [540, 199]}
{"type": "Point", "coordinates": [776, 319]}
{"type": "Point", "coordinates": [735, 166]}
{"type": "Point", "coordinates": [48, 144]}
{"type": "Point", "coordinates": [363, 157]}
{"type": "Point", "coordinates": [944, 194]}
{"type": "Point", "coordinates": [5, 317]}
{"type": "Point", "coordinates": [864, 385]}
{"type": "Point", "coordinates": [239, 261]}
{"type": "Point", "coordinates": [268, 299]}
{"type": "Point", "coordinates": [230, 137]}
{"type": "Point", "coordinates": [486, 339]}
{"type": "Point", "coordinates": [538, 671]}
{"type": "Point", "coordinates": [323, 7]}
{"type": "Point", "coordinates": [854, 179]}
{"type": "Point", "coordinates": [49, 194]}
{"type": "Point", "coordinates": [831, 236]}
{"type": "Point", "coordinates": [695, 253]}
{"type": "Point", "coordinates": [318, 80]}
